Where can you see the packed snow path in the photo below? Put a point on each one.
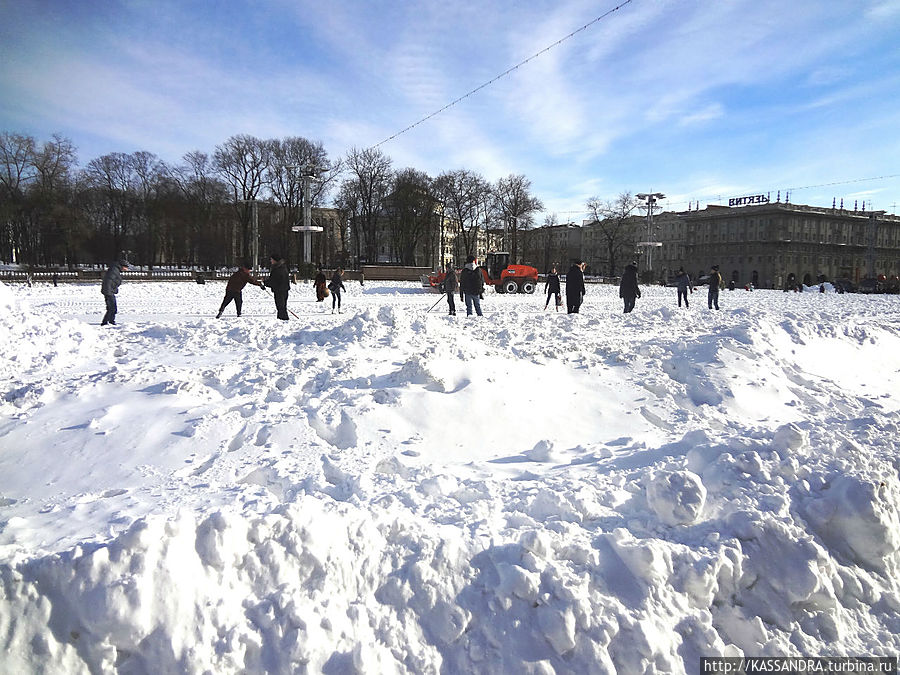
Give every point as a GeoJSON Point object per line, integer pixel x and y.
{"type": "Point", "coordinates": [393, 490]}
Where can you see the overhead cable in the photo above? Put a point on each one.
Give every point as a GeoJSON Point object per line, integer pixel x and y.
{"type": "Point", "coordinates": [503, 74]}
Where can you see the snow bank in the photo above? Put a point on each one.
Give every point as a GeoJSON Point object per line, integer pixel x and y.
{"type": "Point", "coordinates": [392, 491]}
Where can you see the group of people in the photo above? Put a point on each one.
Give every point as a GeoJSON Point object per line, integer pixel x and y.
{"type": "Point", "coordinates": [629, 290]}
{"type": "Point", "coordinates": [469, 284]}
{"type": "Point", "coordinates": [278, 282]}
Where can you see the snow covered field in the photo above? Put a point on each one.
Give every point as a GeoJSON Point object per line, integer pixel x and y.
{"type": "Point", "coordinates": [391, 490]}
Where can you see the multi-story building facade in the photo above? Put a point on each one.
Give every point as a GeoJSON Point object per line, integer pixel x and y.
{"type": "Point", "coordinates": [551, 245]}
{"type": "Point", "coordinates": [765, 243]}
{"type": "Point", "coordinates": [759, 243]}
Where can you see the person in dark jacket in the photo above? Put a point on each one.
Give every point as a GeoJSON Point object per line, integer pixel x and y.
{"type": "Point", "coordinates": [552, 287]}
{"type": "Point", "coordinates": [628, 287]}
{"type": "Point", "coordinates": [715, 280]}
{"type": "Point", "coordinates": [336, 286]}
{"type": "Point", "coordinates": [683, 283]}
{"type": "Point", "coordinates": [471, 286]}
{"type": "Point", "coordinates": [451, 286]}
{"type": "Point", "coordinates": [235, 285]}
{"type": "Point", "coordinates": [280, 283]}
{"type": "Point", "coordinates": [320, 283]}
{"type": "Point", "coordinates": [112, 279]}
{"type": "Point", "coordinates": [575, 287]}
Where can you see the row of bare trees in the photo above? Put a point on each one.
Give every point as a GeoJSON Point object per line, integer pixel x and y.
{"type": "Point", "coordinates": [200, 211]}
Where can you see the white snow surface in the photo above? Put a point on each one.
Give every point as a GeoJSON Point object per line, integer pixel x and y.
{"type": "Point", "coordinates": [393, 490]}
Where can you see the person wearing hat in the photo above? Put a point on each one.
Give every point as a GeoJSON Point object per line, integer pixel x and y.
{"type": "Point", "coordinates": [715, 280]}
{"type": "Point", "coordinates": [471, 286]}
{"type": "Point", "coordinates": [112, 279]}
{"type": "Point", "coordinates": [628, 287]}
{"type": "Point", "coordinates": [280, 283]}
{"type": "Point", "coordinates": [234, 287]}
{"type": "Point", "coordinates": [575, 288]}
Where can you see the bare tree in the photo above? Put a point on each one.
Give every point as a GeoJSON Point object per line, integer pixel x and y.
{"type": "Point", "coordinates": [243, 161]}
{"type": "Point", "coordinates": [465, 197]}
{"type": "Point", "coordinates": [57, 222]}
{"type": "Point", "coordinates": [614, 222]}
{"type": "Point", "coordinates": [16, 171]}
{"type": "Point", "coordinates": [516, 206]}
{"type": "Point", "coordinates": [113, 186]}
{"type": "Point", "coordinates": [411, 213]}
{"type": "Point", "coordinates": [368, 187]}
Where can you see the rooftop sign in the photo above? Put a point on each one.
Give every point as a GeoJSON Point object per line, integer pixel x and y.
{"type": "Point", "coordinates": [745, 201]}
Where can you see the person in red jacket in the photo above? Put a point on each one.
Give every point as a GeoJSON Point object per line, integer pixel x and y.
{"type": "Point", "coordinates": [234, 287]}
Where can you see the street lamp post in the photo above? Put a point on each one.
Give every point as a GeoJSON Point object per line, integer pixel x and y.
{"type": "Point", "coordinates": [651, 199]}
{"type": "Point", "coordinates": [307, 228]}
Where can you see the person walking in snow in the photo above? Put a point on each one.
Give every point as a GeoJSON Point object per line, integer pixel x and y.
{"type": "Point", "coordinates": [235, 285]}
{"type": "Point", "coordinates": [575, 288]}
{"type": "Point", "coordinates": [451, 286]}
{"type": "Point", "coordinates": [319, 281]}
{"type": "Point", "coordinates": [471, 286]}
{"type": "Point", "coordinates": [628, 287]}
{"type": "Point", "coordinates": [683, 282]}
{"type": "Point", "coordinates": [552, 287]}
{"type": "Point", "coordinates": [715, 280]}
{"type": "Point", "coordinates": [280, 283]}
{"type": "Point", "coordinates": [112, 279]}
{"type": "Point", "coordinates": [336, 286]}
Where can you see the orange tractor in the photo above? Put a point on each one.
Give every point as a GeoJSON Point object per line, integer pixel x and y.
{"type": "Point", "coordinates": [497, 272]}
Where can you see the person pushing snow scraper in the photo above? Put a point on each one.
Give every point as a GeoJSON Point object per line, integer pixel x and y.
{"type": "Point", "coordinates": [235, 285]}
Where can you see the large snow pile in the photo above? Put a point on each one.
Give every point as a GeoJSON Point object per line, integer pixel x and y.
{"type": "Point", "coordinates": [395, 490]}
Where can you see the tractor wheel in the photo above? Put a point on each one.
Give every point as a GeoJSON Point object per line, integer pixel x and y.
{"type": "Point", "coordinates": [510, 286]}
{"type": "Point", "coordinates": [528, 286]}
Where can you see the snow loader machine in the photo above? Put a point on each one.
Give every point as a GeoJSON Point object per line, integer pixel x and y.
{"type": "Point", "coordinates": [497, 272]}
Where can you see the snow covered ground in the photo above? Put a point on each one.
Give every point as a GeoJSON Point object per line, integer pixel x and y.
{"type": "Point", "coordinates": [396, 490]}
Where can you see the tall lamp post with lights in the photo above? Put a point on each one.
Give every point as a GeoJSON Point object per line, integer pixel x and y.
{"type": "Point", "coordinates": [307, 228]}
{"type": "Point", "coordinates": [650, 198]}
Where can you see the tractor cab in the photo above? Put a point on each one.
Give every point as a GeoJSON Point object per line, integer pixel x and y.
{"type": "Point", "coordinates": [495, 263]}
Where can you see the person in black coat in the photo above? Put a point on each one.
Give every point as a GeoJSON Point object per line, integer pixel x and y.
{"type": "Point", "coordinates": [715, 281]}
{"type": "Point", "coordinates": [336, 285]}
{"type": "Point", "coordinates": [552, 287]}
{"type": "Point", "coordinates": [451, 285]}
{"type": "Point", "coordinates": [280, 283]}
{"type": "Point", "coordinates": [112, 279]}
{"type": "Point", "coordinates": [683, 282]}
{"type": "Point", "coordinates": [575, 287]}
{"type": "Point", "coordinates": [471, 286]}
{"type": "Point", "coordinates": [628, 287]}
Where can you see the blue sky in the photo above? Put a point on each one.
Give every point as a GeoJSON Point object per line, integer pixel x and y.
{"type": "Point", "coordinates": [699, 100]}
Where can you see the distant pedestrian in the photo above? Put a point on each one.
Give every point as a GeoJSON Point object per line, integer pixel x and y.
{"type": "Point", "coordinates": [683, 282]}
{"type": "Point", "coordinates": [235, 285]}
{"type": "Point", "coordinates": [628, 287]}
{"type": "Point", "coordinates": [451, 286]}
{"type": "Point", "coordinates": [552, 288]}
{"type": "Point", "coordinates": [575, 288]}
{"type": "Point", "coordinates": [336, 286]}
{"type": "Point", "coordinates": [280, 283]}
{"type": "Point", "coordinates": [320, 282]}
{"type": "Point", "coordinates": [112, 279]}
{"type": "Point", "coordinates": [715, 280]}
{"type": "Point", "coordinates": [471, 286]}
{"type": "Point", "coordinates": [55, 280]}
